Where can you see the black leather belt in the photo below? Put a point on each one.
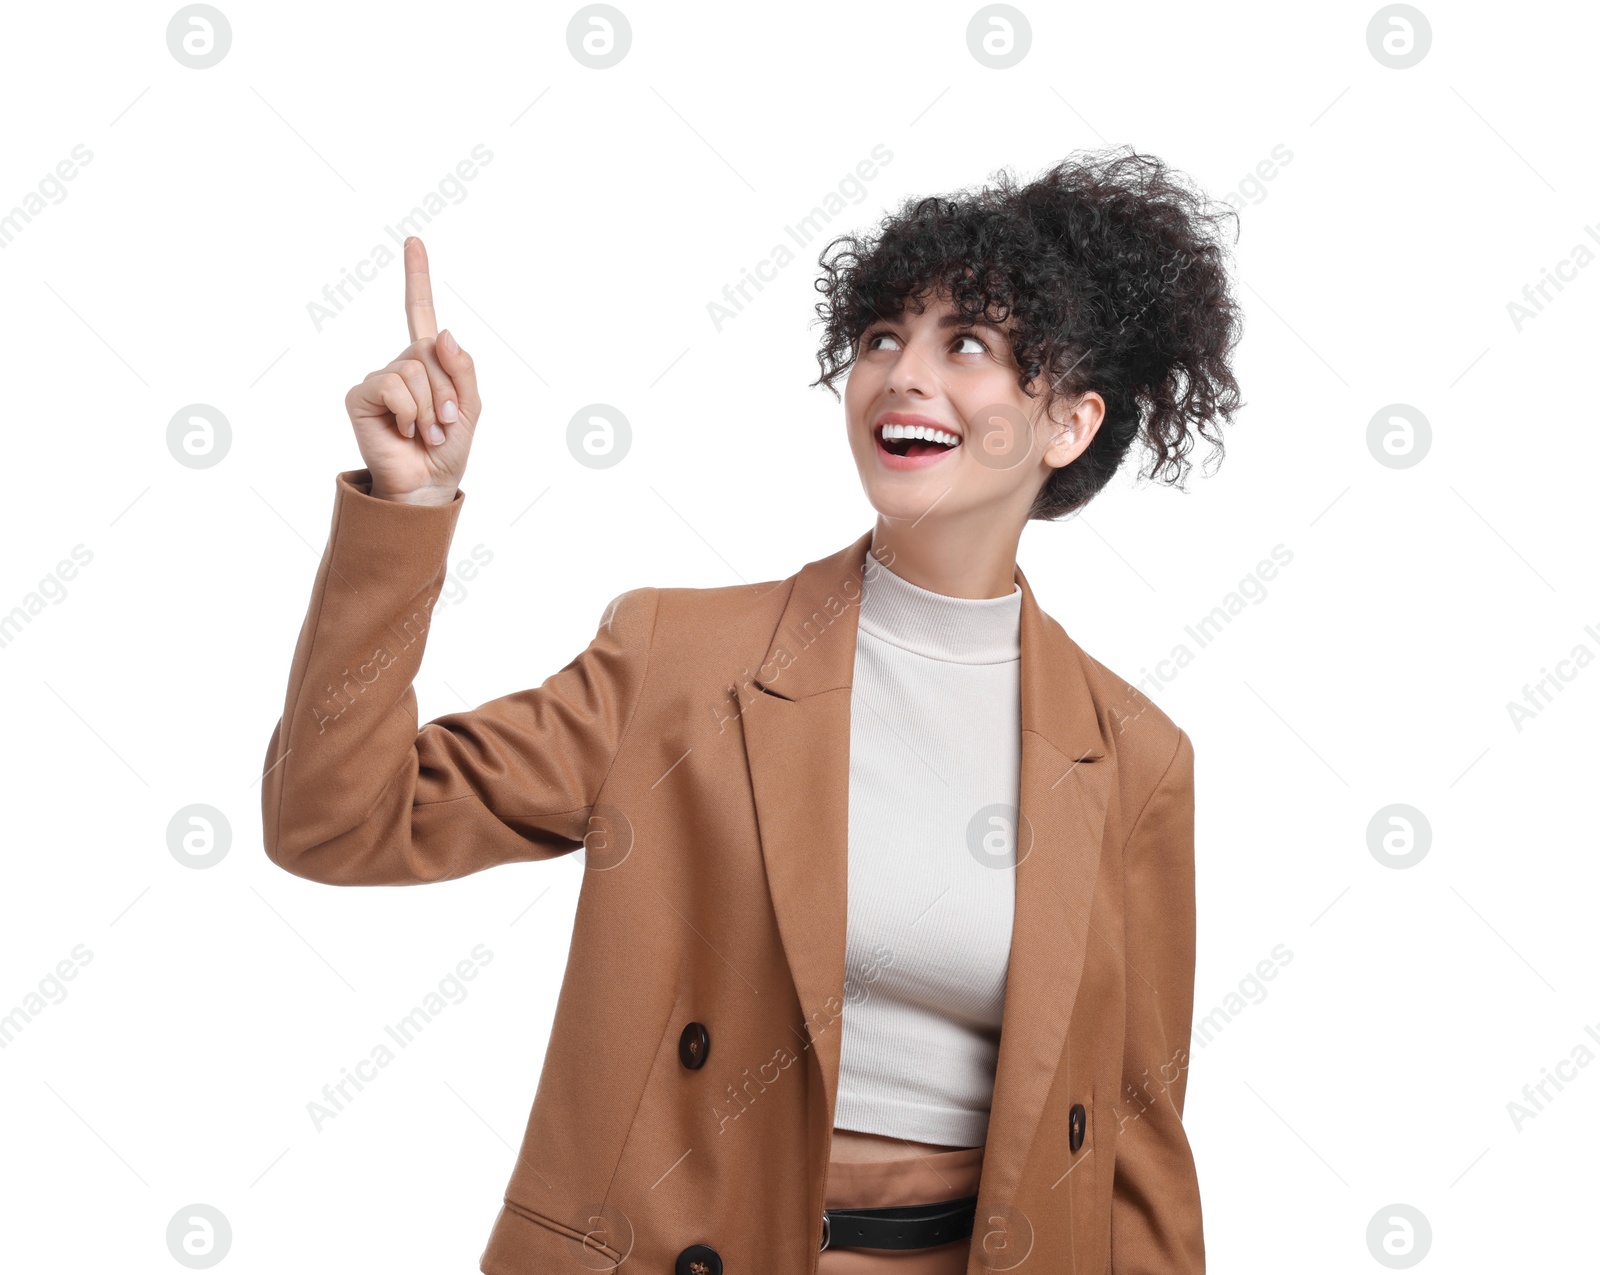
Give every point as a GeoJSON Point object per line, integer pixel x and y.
{"type": "Point", "coordinates": [899, 1226]}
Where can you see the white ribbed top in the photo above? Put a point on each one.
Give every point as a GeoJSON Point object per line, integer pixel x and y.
{"type": "Point", "coordinates": [935, 746]}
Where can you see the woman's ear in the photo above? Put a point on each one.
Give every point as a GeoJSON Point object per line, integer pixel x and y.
{"type": "Point", "coordinates": [1072, 435]}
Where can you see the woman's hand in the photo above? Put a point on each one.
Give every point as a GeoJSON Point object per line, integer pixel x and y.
{"type": "Point", "coordinates": [414, 419]}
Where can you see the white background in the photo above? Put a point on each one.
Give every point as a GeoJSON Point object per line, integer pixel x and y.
{"type": "Point", "coordinates": [1374, 268]}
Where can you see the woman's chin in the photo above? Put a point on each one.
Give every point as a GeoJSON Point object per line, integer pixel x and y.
{"type": "Point", "coordinates": [907, 501]}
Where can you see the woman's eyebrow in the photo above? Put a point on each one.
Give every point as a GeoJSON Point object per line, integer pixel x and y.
{"type": "Point", "coordinates": [961, 321]}
{"type": "Point", "coordinates": [945, 321]}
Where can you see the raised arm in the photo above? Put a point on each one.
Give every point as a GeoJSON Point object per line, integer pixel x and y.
{"type": "Point", "coordinates": [353, 792]}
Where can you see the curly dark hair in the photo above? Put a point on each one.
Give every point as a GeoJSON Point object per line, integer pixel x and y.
{"type": "Point", "coordinates": [1113, 274]}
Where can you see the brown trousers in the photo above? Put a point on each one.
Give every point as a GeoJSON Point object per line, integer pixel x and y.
{"type": "Point", "coordinates": [918, 1179]}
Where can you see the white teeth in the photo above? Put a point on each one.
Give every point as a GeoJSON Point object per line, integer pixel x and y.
{"type": "Point", "coordinates": [925, 432]}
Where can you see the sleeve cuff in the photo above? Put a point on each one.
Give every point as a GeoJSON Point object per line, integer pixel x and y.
{"type": "Point", "coordinates": [378, 539]}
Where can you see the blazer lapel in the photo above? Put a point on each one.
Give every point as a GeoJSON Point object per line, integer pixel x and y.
{"type": "Point", "coordinates": [797, 740]}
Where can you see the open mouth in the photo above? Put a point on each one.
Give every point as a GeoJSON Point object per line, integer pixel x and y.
{"type": "Point", "coordinates": [915, 441]}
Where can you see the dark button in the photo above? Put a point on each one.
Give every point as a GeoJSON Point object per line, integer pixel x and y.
{"type": "Point", "coordinates": [698, 1259]}
{"type": "Point", "coordinates": [693, 1045]}
{"type": "Point", "coordinates": [1077, 1122]}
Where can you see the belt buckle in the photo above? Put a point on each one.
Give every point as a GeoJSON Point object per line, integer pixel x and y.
{"type": "Point", "coordinates": [827, 1231]}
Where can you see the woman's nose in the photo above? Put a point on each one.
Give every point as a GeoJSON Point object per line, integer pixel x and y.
{"type": "Point", "coordinates": [909, 373]}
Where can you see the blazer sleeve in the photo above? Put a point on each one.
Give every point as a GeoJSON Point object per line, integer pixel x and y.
{"type": "Point", "coordinates": [1155, 1210]}
{"type": "Point", "coordinates": [355, 794]}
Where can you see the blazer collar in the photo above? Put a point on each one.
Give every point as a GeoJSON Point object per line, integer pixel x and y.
{"type": "Point", "coordinates": [797, 740]}
{"type": "Point", "coordinates": [813, 650]}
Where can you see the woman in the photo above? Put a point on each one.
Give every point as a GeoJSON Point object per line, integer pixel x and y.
{"type": "Point", "coordinates": [980, 1060]}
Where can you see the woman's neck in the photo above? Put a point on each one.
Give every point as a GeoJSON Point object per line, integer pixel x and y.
{"type": "Point", "coordinates": [948, 559]}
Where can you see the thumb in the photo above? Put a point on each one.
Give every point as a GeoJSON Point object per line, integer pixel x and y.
{"type": "Point", "coordinates": [458, 363]}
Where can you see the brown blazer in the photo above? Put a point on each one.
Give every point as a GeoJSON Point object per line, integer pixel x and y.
{"type": "Point", "coordinates": [700, 747]}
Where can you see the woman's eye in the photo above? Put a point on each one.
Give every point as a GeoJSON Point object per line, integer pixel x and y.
{"type": "Point", "coordinates": [870, 341]}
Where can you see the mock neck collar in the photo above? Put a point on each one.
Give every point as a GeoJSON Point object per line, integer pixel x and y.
{"type": "Point", "coordinates": [941, 627]}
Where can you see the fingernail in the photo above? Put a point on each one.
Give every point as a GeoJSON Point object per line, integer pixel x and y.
{"type": "Point", "coordinates": [447, 413]}
{"type": "Point", "coordinates": [436, 434]}
{"type": "Point", "coordinates": [447, 341]}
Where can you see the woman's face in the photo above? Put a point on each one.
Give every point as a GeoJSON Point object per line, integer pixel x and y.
{"type": "Point", "coordinates": [957, 377]}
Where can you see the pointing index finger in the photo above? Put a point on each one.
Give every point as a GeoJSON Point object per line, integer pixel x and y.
{"type": "Point", "coordinates": [419, 292]}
